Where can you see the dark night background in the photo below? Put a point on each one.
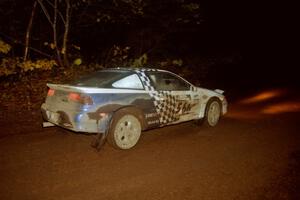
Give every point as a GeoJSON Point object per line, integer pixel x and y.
{"type": "Point", "coordinates": [247, 48]}
{"type": "Point", "coordinates": [246, 44]}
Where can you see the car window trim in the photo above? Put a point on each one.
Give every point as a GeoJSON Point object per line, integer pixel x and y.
{"type": "Point", "coordinates": [167, 72]}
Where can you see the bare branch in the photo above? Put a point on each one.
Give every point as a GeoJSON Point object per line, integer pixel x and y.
{"type": "Point", "coordinates": [55, 34]}
{"type": "Point", "coordinates": [40, 52]}
{"type": "Point", "coordinates": [13, 40]}
{"type": "Point", "coordinates": [66, 33]}
{"type": "Point", "coordinates": [59, 13]}
{"type": "Point", "coordinates": [28, 31]}
{"type": "Point", "coordinates": [45, 12]}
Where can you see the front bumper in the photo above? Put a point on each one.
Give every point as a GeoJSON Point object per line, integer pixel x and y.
{"type": "Point", "coordinates": [224, 106]}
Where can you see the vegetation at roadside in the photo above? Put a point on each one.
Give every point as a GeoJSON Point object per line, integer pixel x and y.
{"type": "Point", "coordinates": [59, 40]}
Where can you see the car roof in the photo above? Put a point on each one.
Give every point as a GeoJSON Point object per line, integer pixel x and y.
{"type": "Point", "coordinates": [123, 69]}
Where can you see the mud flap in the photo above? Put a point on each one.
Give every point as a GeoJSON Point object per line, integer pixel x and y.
{"type": "Point", "coordinates": [100, 139]}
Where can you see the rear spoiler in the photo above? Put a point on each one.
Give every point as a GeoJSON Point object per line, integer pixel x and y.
{"type": "Point", "coordinates": [67, 88]}
{"type": "Point", "coordinates": [219, 91]}
{"type": "Point", "coordinates": [79, 89]}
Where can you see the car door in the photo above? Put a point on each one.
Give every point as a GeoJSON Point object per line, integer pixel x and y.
{"type": "Point", "coordinates": [175, 101]}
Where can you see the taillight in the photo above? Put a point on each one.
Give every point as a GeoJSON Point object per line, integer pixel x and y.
{"type": "Point", "coordinates": [80, 98]}
{"type": "Point", "coordinates": [74, 97]}
{"type": "Point", "coordinates": [50, 92]}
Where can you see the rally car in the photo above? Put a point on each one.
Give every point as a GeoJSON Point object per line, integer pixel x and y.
{"type": "Point", "coordinates": [119, 103]}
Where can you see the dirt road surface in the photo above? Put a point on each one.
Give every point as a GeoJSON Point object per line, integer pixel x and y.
{"type": "Point", "coordinates": [253, 153]}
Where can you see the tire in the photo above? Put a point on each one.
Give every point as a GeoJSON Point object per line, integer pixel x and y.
{"type": "Point", "coordinates": [212, 112]}
{"type": "Point", "coordinates": [125, 129]}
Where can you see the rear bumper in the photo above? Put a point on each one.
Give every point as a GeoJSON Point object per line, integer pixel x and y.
{"type": "Point", "coordinates": [75, 121]}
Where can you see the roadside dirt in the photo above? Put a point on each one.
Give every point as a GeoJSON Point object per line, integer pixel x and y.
{"type": "Point", "coordinates": [251, 154]}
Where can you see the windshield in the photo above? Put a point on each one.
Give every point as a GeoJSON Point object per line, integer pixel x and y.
{"type": "Point", "coordinates": [102, 79]}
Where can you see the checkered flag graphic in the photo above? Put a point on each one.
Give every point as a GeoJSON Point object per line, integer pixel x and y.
{"type": "Point", "coordinates": [164, 102]}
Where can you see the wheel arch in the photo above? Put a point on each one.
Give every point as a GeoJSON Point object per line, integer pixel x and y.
{"type": "Point", "coordinates": [211, 99]}
{"type": "Point", "coordinates": [205, 120]}
{"type": "Point", "coordinates": [133, 110]}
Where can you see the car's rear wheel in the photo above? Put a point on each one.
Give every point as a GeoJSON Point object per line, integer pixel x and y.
{"type": "Point", "coordinates": [125, 130]}
{"type": "Point", "coordinates": [212, 112]}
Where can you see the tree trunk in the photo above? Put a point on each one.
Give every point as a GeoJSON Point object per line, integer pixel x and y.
{"type": "Point", "coordinates": [66, 33]}
{"type": "Point", "coordinates": [55, 35]}
{"type": "Point", "coordinates": [28, 31]}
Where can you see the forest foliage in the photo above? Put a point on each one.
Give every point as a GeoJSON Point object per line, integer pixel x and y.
{"type": "Point", "coordinates": [54, 32]}
{"type": "Point", "coordinates": [17, 66]}
{"type": "Point", "coordinates": [53, 40]}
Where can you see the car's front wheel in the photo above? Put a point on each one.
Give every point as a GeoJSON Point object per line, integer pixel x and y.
{"type": "Point", "coordinates": [212, 112]}
{"type": "Point", "coordinates": [125, 130]}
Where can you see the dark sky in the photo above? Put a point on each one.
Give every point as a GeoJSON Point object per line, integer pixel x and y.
{"type": "Point", "coordinates": [261, 33]}
{"type": "Point", "coordinates": [264, 33]}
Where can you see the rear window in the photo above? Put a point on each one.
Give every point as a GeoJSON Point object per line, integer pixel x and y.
{"type": "Point", "coordinates": [132, 82]}
{"type": "Point", "coordinates": [110, 79]}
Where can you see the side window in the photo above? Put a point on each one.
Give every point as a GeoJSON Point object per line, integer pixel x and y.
{"type": "Point", "coordinates": [130, 82]}
{"type": "Point", "coordinates": [167, 81]}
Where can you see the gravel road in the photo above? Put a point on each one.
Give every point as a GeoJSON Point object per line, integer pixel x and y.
{"type": "Point", "coordinates": [249, 155]}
